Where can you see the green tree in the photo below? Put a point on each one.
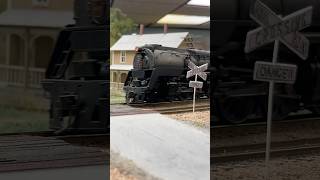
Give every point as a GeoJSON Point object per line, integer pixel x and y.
{"type": "Point", "coordinates": [3, 5]}
{"type": "Point", "coordinates": [119, 24]}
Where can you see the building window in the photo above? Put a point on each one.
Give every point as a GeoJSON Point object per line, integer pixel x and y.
{"type": "Point", "coordinates": [189, 41]}
{"type": "Point", "coordinates": [40, 3]}
{"type": "Point", "coordinates": [122, 56]}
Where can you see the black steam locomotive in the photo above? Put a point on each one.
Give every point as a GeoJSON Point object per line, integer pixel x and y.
{"type": "Point", "coordinates": [159, 74]}
{"type": "Point", "coordinates": [77, 77]}
{"type": "Point", "coordinates": [236, 96]}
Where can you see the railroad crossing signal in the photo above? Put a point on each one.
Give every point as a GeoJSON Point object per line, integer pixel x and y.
{"type": "Point", "coordinates": [280, 73]}
{"type": "Point", "coordinates": [196, 71]}
{"type": "Point", "coordinates": [196, 84]}
{"type": "Point", "coordinates": [275, 28]}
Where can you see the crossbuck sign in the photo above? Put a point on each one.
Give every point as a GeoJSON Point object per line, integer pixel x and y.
{"type": "Point", "coordinates": [275, 28]}
{"type": "Point", "coordinates": [196, 71]}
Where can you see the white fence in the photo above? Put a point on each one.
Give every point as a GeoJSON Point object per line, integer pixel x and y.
{"type": "Point", "coordinates": [16, 76]}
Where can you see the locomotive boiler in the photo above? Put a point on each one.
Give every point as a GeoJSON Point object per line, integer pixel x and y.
{"type": "Point", "coordinates": [159, 74]}
{"type": "Point", "coordinates": [236, 97]}
{"type": "Point", "coordinates": [77, 76]}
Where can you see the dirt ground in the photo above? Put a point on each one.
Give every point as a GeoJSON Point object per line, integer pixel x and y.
{"type": "Point", "coordinates": [124, 169]}
{"type": "Point", "coordinates": [293, 168]}
{"type": "Point", "coordinates": [115, 174]}
{"type": "Point", "coordinates": [200, 118]}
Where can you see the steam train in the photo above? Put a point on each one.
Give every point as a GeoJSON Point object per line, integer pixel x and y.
{"type": "Point", "coordinates": [236, 97]}
{"type": "Point", "coordinates": [159, 74]}
{"type": "Point", "coordinates": [77, 77]}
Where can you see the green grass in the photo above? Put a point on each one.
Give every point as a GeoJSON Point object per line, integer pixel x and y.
{"type": "Point", "coordinates": [18, 98]}
{"type": "Point", "coordinates": [117, 97]}
{"type": "Point", "coordinates": [15, 121]}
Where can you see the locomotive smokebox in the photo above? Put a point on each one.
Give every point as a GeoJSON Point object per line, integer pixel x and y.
{"type": "Point", "coordinates": [90, 12]}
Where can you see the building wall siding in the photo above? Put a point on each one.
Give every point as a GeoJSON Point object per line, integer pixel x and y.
{"type": "Point", "coordinates": [129, 57]}
{"type": "Point", "coordinates": [53, 4]}
{"type": "Point", "coordinates": [116, 57]}
{"type": "Point", "coordinates": [36, 43]}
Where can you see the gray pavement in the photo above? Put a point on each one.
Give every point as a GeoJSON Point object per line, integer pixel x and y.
{"type": "Point", "coordinates": [163, 147]}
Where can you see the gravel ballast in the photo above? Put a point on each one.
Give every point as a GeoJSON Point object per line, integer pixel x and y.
{"type": "Point", "coordinates": [198, 118]}
{"type": "Point", "coordinates": [295, 168]}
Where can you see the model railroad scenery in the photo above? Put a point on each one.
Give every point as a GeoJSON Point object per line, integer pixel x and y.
{"type": "Point", "coordinates": [265, 90]}
{"type": "Point", "coordinates": [158, 83]}
{"type": "Point", "coordinates": [55, 118]}
{"type": "Point", "coordinates": [159, 75]}
{"type": "Point", "coordinates": [135, 89]}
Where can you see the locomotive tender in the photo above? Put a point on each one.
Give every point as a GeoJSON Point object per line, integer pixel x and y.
{"type": "Point", "coordinates": [159, 74]}
{"type": "Point", "coordinates": [236, 97]}
{"type": "Point", "coordinates": [77, 76]}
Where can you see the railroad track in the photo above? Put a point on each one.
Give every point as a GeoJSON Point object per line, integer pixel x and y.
{"type": "Point", "coordinates": [286, 141]}
{"type": "Point", "coordinates": [294, 119]}
{"type": "Point", "coordinates": [42, 150]}
{"type": "Point", "coordinates": [163, 108]}
{"type": "Point", "coordinates": [257, 151]}
{"type": "Point", "coordinates": [80, 139]}
{"type": "Point", "coordinates": [183, 109]}
{"type": "Point", "coordinates": [97, 140]}
{"type": "Point", "coordinates": [168, 103]}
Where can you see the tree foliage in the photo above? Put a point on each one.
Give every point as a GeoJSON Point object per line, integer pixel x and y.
{"type": "Point", "coordinates": [119, 24]}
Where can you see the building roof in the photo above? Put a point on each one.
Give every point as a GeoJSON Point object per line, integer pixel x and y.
{"type": "Point", "coordinates": [148, 12]}
{"type": "Point", "coordinates": [121, 67]}
{"type": "Point", "coordinates": [130, 42]}
{"type": "Point", "coordinates": [36, 18]}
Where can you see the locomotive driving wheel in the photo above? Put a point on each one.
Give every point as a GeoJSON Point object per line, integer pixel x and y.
{"type": "Point", "coordinates": [129, 98]}
{"type": "Point", "coordinates": [236, 110]}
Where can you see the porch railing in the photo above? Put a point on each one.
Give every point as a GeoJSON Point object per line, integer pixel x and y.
{"type": "Point", "coordinates": [16, 76]}
{"type": "Point", "coordinates": [114, 86]}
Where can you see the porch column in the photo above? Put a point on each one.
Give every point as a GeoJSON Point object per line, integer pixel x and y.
{"type": "Point", "coordinates": [118, 79]}
{"type": "Point", "coordinates": [27, 50]}
{"type": "Point", "coordinates": [8, 44]}
{"type": "Point", "coordinates": [9, 4]}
